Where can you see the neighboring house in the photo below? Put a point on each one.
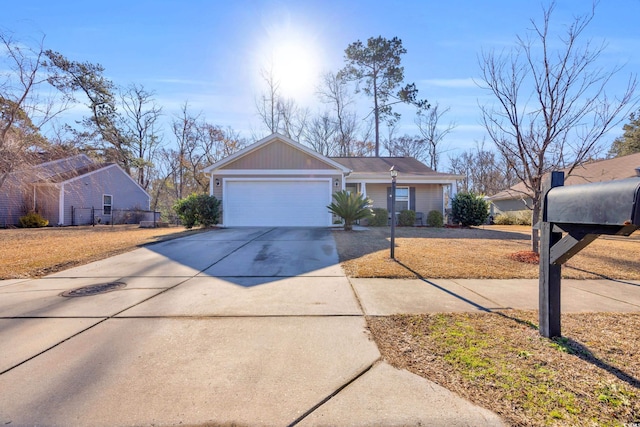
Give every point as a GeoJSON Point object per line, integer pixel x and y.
{"type": "Point", "coordinates": [279, 182]}
{"type": "Point", "coordinates": [71, 191]}
{"type": "Point", "coordinates": [518, 197]}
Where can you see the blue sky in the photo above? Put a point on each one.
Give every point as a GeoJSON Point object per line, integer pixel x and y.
{"type": "Point", "coordinates": [209, 53]}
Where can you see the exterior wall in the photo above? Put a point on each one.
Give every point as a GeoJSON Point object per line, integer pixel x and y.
{"type": "Point", "coordinates": [510, 206]}
{"type": "Point", "coordinates": [87, 191]}
{"type": "Point", "coordinates": [428, 196]}
{"type": "Point", "coordinates": [277, 155]}
{"type": "Point", "coordinates": [14, 201]}
{"type": "Point", "coordinates": [47, 196]}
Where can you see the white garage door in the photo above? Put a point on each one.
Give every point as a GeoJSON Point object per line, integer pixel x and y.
{"type": "Point", "coordinates": [277, 202]}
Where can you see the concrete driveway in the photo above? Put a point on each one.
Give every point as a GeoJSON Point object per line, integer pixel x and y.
{"type": "Point", "coordinates": [234, 326]}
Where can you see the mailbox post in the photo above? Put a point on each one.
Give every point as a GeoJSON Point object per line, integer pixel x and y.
{"type": "Point", "coordinates": [573, 217]}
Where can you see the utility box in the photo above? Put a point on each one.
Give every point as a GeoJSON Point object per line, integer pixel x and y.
{"type": "Point", "coordinates": [601, 203]}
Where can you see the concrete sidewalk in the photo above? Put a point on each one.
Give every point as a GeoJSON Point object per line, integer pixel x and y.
{"type": "Point", "coordinates": [236, 327]}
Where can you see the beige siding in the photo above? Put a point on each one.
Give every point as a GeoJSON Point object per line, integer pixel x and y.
{"type": "Point", "coordinates": [277, 155]}
{"type": "Point", "coordinates": [428, 196]}
{"type": "Point", "coordinates": [377, 193]}
{"type": "Point", "coordinates": [510, 206]}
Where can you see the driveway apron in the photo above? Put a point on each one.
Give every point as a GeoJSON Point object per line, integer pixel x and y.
{"type": "Point", "coordinates": [247, 326]}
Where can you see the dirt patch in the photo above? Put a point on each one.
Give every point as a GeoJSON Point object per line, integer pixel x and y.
{"type": "Point", "coordinates": [37, 252]}
{"type": "Point", "coordinates": [499, 361]}
{"type": "Point", "coordinates": [528, 257]}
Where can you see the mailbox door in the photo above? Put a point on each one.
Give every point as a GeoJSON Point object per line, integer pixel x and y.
{"type": "Point", "coordinates": [601, 203]}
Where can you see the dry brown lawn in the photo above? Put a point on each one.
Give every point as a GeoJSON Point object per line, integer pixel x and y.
{"type": "Point", "coordinates": [481, 252]}
{"type": "Point", "coordinates": [36, 252]}
{"type": "Point", "coordinates": [589, 377]}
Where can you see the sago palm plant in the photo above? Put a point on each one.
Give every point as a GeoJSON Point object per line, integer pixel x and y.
{"type": "Point", "coordinates": [350, 207]}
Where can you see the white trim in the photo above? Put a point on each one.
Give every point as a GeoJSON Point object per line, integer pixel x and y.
{"type": "Point", "coordinates": [408, 195]}
{"type": "Point", "coordinates": [61, 205]}
{"type": "Point", "coordinates": [269, 139]}
{"type": "Point", "coordinates": [226, 180]}
{"type": "Point", "coordinates": [110, 205]}
{"type": "Point", "coordinates": [407, 181]}
{"type": "Point", "coordinates": [268, 172]}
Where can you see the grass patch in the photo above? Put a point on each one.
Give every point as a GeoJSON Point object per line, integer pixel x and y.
{"type": "Point", "coordinates": [499, 361]}
{"type": "Point", "coordinates": [477, 253]}
{"type": "Point", "coordinates": [29, 253]}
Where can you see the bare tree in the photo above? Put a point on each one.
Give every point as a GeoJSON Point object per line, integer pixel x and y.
{"type": "Point", "coordinates": [551, 107]}
{"type": "Point", "coordinates": [321, 135]}
{"type": "Point", "coordinates": [140, 120]}
{"type": "Point", "coordinates": [407, 146]}
{"type": "Point", "coordinates": [198, 144]}
{"type": "Point", "coordinates": [428, 123]}
{"type": "Point", "coordinates": [267, 105]}
{"type": "Point", "coordinates": [333, 91]}
{"type": "Point", "coordinates": [484, 171]}
{"type": "Point", "coordinates": [24, 109]}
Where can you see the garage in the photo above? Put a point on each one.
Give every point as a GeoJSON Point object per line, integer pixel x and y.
{"type": "Point", "coordinates": [281, 202]}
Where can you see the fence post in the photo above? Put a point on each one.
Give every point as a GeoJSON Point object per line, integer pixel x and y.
{"type": "Point", "coordinates": [550, 274]}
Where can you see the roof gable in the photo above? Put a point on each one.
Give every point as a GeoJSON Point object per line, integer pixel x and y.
{"type": "Point", "coordinates": [276, 152]}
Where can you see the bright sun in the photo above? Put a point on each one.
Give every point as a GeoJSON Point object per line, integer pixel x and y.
{"type": "Point", "coordinates": [293, 59]}
{"type": "Point", "coordinates": [295, 68]}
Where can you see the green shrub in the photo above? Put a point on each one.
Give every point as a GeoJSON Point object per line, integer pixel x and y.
{"type": "Point", "coordinates": [435, 219]}
{"type": "Point", "coordinates": [33, 220]}
{"type": "Point", "coordinates": [350, 207]}
{"type": "Point", "coordinates": [198, 209]}
{"type": "Point", "coordinates": [379, 218]}
{"type": "Point", "coordinates": [517, 218]}
{"type": "Point", "coordinates": [469, 209]}
{"type": "Point", "coordinates": [407, 218]}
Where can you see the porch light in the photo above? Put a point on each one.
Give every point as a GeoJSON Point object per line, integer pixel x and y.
{"type": "Point", "coordinates": [336, 182]}
{"type": "Point", "coordinates": [394, 174]}
{"type": "Point", "coordinates": [217, 182]}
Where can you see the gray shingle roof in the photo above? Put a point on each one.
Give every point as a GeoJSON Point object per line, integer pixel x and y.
{"type": "Point", "coordinates": [381, 165]}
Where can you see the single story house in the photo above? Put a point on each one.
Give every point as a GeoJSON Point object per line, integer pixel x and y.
{"type": "Point", "coordinates": [518, 197]}
{"type": "Point", "coordinates": [280, 182]}
{"type": "Point", "coordinates": [72, 191]}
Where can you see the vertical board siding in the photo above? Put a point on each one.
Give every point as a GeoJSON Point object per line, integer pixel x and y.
{"type": "Point", "coordinates": [428, 197]}
{"type": "Point", "coordinates": [277, 155]}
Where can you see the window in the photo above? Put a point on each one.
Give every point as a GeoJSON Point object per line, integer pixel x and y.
{"type": "Point", "coordinates": [351, 188]}
{"type": "Point", "coordinates": [106, 204]}
{"type": "Point", "coordinates": [402, 199]}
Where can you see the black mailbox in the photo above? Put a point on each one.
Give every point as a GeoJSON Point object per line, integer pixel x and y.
{"type": "Point", "coordinates": [601, 203]}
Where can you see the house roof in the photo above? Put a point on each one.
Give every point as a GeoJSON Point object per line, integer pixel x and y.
{"type": "Point", "coordinates": [378, 168]}
{"type": "Point", "coordinates": [597, 171]}
{"type": "Point", "coordinates": [73, 173]}
{"type": "Point", "coordinates": [269, 139]}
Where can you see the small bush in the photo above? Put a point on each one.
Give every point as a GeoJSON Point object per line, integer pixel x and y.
{"type": "Point", "coordinates": [407, 218]}
{"type": "Point", "coordinates": [435, 219]}
{"type": "Point", "coordinates": [469, 209]}
{"type": "Point", "coordinates": [517, 218]}
{"type": "Point", "coordinates": [33, 220]}
{"type": "Point", "coordinates": [198, 209]}
{"type": "Point", "coordinates": [380, 217]}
